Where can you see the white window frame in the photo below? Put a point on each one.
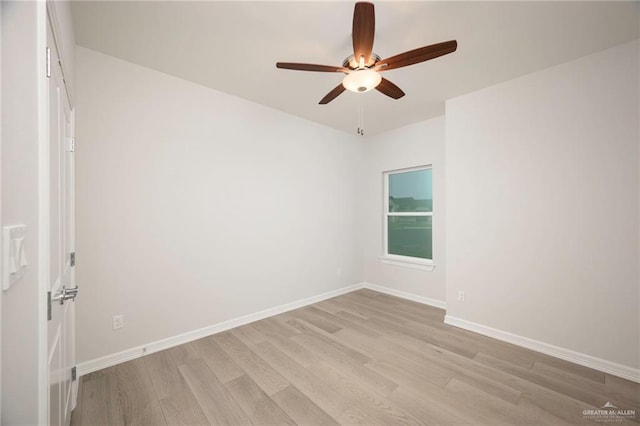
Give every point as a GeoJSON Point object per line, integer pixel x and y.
{"type": "Point", "coordinates": [395, 259]}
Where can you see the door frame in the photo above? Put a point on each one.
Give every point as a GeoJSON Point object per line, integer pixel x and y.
{"type": "Point", "coordinates": [46, 14]}
{"type": "Point", "coordinates": [43, 212]}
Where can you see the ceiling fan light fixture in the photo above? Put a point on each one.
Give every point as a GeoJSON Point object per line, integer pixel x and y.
{"type": "Point", "coordinates": [361, 80]}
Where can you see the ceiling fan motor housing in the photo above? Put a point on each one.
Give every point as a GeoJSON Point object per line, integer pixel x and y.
{"type": "Point", "coordinates": [352, 63]}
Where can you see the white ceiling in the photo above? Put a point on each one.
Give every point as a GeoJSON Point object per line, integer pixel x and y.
{"type": "Point", "coordinates": [233, 47]}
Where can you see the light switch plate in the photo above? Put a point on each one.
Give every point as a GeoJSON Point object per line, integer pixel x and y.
{"type": "Point", "coordinates": [9, 234]}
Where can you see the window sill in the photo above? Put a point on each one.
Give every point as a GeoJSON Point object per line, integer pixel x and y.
{"type": "Point", "coordinates": [424, 266]}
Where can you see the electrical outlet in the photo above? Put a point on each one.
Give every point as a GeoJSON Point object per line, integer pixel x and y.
{"type": "Point", "coordinates": [460, 296]}
{"type": "Point", "coordinates": [117, 321]}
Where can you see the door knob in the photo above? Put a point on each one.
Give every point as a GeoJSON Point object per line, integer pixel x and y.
{"type": "Point", "coordinates": [66, 294]}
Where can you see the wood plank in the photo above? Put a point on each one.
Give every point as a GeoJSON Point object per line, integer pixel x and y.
{"type": "Point", "coordinates": [506, 351]}
{"type": "Point", "coordinates": [443, 407]}
{"type": "Point", "coordinates": [136, 395]}
{"type": "Point", "coordinates": [100, 402]}
{"type": "Point", "coordinates": [422, 333]}
{"type": "Point", "coordinates": [401, 308]}
{"type": "Point", "coordinates": [423, 409]}
{"type": "Point", "coordinates": [569, 376]}
{"type": "Point", "coordinates": [570, 367]}
{"type": "Point", "coordinates": [331, 341]}
{"type": "Point", "coordinates": [299, 353]}
{"type": "Point", "coordinates": [222, 365]}
{"type": "Point", "coordinates": [489, 409]}
{"type": "Point", "coordinates": [177, 402]}
{"type": "Point", "coordinates": [316, 320]}
{"type": "Point", "coordinates": [624, 387]}
{"type": "Point", "coordinates": [455, 366]}
{"type": "Point", "coordinates": [344, 323]}
{"type": "Point", "coordinates": [337, 304]}
{"type": "Point", "coordinates": [183, 354]}
{"type": "Point", "coordinates": [218, 405]}
{"type": "Point", "coordinates": [629, 402]}
{"type": "Point", "coordinates": [327, 397]}
{"type": "Point", "coordinates": [301, 409]}
{"type": "Point", "coordinates": [302, 326]}
{"type": "Point", "coordinates": [362, 307]}
{"type": "Point", "coordinates": [457, 339]}
{"type": "Point", "coordinates": [269, 380]}
{"type": "Point", "coordinates": [556, 384]}
{"type": "Point", "coordinates": [326, 307]}
{"type": "Point", "coordinates": [256, 404]}
{"type": "Point", "coordinates": [279, 324]}
{"type": "Point", "coordinates": [387, 353]}
{"type": "Point", "coordinates": [567, 409]}
{"type": "Point", "coordinates": [382, 414]}
{"type": "Point", "coordinates": [410, 306]}
{"type": "Point", "coordinates": [417, 390]}
{"type": "Point", "coordinates": [347, 366]}
{"type": "Point", "coordinates": [362, 398]}
{"type": "Point", "coordinates": [249, 335]}
{"type": "Point", "coordinates": [563, 406]}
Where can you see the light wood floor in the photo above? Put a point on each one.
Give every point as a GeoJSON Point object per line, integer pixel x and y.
{"type": "Point", "coordinates": [360, 358]}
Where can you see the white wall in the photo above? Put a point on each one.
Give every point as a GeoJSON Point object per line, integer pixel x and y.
{"type": "Point", "coordinates": [195, 207]}
{"type": "Point", "coordinates": [22, 25]}
{"type": "Point", "coordinates": [542, 206]}
{"type": "Point", "coordinates": [415, 145]}
{"type": "Point", "coordinates": [541, 215]}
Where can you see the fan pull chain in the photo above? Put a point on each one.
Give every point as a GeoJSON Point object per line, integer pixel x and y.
{"type": "Point", "coordinates": [360, 129]}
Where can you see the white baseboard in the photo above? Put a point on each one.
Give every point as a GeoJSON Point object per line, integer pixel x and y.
{"type": "Point", "coordinates": [615, 369]}
{"type": "Point", "coordinates": [138, 351]}
{"type": "Point", "coordinates": [409, 296]}
{"type": "Point", "coordinates": [600, 364]}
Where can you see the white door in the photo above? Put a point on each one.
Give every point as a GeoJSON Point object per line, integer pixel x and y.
{"type": "Point", "coordinates": [60, 337]}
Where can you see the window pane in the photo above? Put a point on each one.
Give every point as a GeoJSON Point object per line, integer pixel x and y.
{"type": "Point", "coordinates": [410, 236]}
{"type": "Point", "coordinates": [411, 191]}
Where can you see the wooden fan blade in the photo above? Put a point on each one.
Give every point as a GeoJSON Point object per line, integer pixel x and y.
{"type": "Point", "coordinates": [389, 89]}
{"type": "Point", "coordinates": [332, 94]}
{"type": "Point", "coordinates": [310, 67]}
{"type": "Point", "coordinates": [416, 56]}
{"type": "Point", "coordinates": [363, 31]}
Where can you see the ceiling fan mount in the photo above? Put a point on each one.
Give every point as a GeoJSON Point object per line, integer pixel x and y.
{"type": "Point", "coordinates": [352, 63]}
{"type": "Point", "coordinates": [363, 68]}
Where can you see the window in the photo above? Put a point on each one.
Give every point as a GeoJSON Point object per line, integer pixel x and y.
{"type": "Point", "coordinates": [408, 217]}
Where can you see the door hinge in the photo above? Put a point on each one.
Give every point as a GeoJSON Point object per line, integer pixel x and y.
{"type": "Point", "coordinates": [72, 260]}
{"type": "Point", "coordinates": [71, 145]}
{"type": "Point", "coordinates": [48, 62]}
{"type": "Point", "coordinates": [48, 306]}
{"type": "Point", "coordinates": [73, 374]}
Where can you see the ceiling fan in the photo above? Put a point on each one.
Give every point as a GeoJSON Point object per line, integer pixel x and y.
{"type": "Point", "coordinates": [363, 68]}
